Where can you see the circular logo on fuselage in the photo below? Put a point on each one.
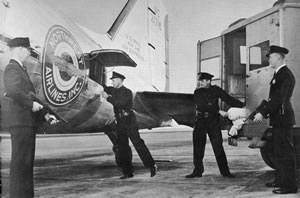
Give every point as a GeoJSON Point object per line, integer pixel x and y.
{"type": "Point", "coordinates": [62, 62]}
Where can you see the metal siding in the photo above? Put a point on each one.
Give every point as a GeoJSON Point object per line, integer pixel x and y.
{"type": "Point", "coordinates": [257, 84]}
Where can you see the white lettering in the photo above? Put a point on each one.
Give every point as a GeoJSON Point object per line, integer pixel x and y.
{"type": "Point", "coordinates": [48, 70]}
{"type": "Point", "coordinates": [49, 81]}
{"type": "Point", "coordinates": [54, 93]}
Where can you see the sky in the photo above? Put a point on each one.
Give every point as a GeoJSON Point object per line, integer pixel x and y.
{"type": "Point", "coordinates": [193, 20]}
{"type": "Point", "coordinates": [189, 22]}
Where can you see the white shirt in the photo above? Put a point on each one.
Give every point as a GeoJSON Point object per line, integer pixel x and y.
{"type": "Point", "coordinates": [278, 68]}
{"type": "Point", "coordinates": [19, 63]}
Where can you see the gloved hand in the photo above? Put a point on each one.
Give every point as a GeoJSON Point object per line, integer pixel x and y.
{"type": "Point", "coordinates": [51, 119]}
{"type": "Point", "coordinates": [258, 117]}
{"type": "Point", "coordinates": [223, 113]}
{"type": "Point", "coordinates": [36, 106]}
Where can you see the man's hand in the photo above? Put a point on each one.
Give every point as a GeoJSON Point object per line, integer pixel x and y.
{"type": "Point", "coordinates": [258, 117]}
{"type": "Point", "coordinates": [108, 122]}
{"type": "Point", "coordinates": [36, 106]}
{"type": "Point", "coordinates": [51, 119]}
{"type": "Point", "coordinates": [105, 95]}
{"type": "Point", "coordinates": [223, 113]}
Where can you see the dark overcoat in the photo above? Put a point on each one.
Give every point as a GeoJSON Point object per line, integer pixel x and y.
{"type": "Point", "coordinates": [17, 103]}
{"type": "Point", "coordinates": [279, 107]}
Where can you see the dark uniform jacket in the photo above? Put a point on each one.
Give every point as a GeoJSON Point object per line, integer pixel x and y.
{"type": "Point", "coordinates": [17, 104]}
{"type": "Point", "coordinates": [206, 99]}
{"type": "Point", "coordinates": [279, 107]}
{"type": "Point", "coordinates": [121, 99]}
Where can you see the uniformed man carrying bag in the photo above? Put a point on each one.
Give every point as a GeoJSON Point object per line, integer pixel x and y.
{"type": "Point", "coordinates": [206, 100]}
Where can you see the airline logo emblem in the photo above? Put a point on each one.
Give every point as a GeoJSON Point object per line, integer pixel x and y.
{"type": "Point", "coordinates": [63, 61]}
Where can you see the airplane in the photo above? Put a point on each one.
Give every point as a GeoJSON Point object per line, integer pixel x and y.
{"type": "Point", "coordinates": [69, 69]}
{"type": "Point", "coordinates": [140, 30]}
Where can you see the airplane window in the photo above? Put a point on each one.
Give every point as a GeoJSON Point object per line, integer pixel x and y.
{"type": "Point", "coordinates": [258, 54]}
{"type": "Point", "coordinates": [35, 54]}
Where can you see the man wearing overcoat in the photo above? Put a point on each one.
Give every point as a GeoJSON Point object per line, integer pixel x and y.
{"type": "Point", "coordinates": [21, 116]}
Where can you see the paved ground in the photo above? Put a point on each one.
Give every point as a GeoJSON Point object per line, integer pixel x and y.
{"type": "Point", "coordinates": [83, 166]}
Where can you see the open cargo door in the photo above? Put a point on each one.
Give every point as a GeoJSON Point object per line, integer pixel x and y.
{"type": "Point", "coordinates": [99, 59]}
{"type": "Point", "coordinates": [209, 58]}
{"type": "Point", "coordinates": [112, 57]}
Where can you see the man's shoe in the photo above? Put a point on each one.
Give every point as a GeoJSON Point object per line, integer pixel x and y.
{"type": "Point", "coordinates": [127, 175]}
{"type": "Point", "coordinates": [272, 185]}
{"type": "Point", "coordinates": [153, 170]}
{"type": "Point", "coordinates": [228, 174]}
{"type": "Point", "coordinates": [193, 175]}
{"type": "Point", "coordinates": [284, 191]}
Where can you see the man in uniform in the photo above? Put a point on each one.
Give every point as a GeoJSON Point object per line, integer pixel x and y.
{"type": "Point", "coordinates": [282, 119]}
{"type": "Point", "coordinates": [20, 115]}
{"type": "Point", "coordinates": [206, 99]}
{"type": "Point", "coordinates": [122, 100]}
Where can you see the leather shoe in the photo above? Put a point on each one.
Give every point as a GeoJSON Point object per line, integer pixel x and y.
{"type": "Point", "coordinates": [284, 191]}
{"type": "Point", "coordinates": [127, 175]}
{"type": "Point", "coordinates": [272, 185]}
{"type": "Point", "coordinates": [228, 174]}
{"type": "Point", "coordinates": [153, 170]}
{"type": "Point", "coordinates": [193, 175]}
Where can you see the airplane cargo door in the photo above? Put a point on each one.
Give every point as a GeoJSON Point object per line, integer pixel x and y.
{"type": "Point", "coordinates": [98, 60]}
{"type": "Point", "coordinates": [209, 58]}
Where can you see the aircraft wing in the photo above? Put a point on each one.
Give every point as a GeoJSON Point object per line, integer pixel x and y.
{"type": "Point", "coordinates": [152, 109]}
{"type": "Point", "coordinates": [163, 107]}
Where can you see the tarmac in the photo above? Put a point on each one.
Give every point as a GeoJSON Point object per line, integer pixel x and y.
{"type": "Point", "coordinates": [83, 166]}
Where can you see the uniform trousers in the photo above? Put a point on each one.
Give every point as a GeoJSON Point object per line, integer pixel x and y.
{"type": "Point", "coordinates": [285, 157]}
{"type": "Point", "coordinates": [22, 162]}
{"type": "Point", "coordinates": [127, 129]}
{"type": "Point", "coordinates": [210, 126]}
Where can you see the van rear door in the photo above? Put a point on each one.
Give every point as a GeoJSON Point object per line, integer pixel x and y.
{"type": "Point", "coordinates": [210, 58]}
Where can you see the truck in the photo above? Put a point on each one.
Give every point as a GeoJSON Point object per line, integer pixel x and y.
{"type": "Point", "coordinates": [237, 59]}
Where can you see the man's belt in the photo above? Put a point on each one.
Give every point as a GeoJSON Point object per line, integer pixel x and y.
{"type": "Point", "coordinates": [204, 114]}
{"type": "Point", "coordinates": [123, 113]}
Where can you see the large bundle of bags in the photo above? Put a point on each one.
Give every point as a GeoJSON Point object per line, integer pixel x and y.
{"type": "Point", "coordinates": [238, 117]}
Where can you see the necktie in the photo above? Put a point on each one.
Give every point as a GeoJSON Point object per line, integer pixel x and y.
{"type": "Point", "coordinates": [273, 78]}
